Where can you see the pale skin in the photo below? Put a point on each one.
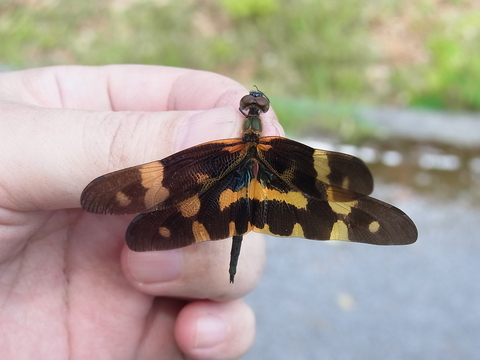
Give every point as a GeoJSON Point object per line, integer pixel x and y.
{"type": "Point", "coordinates": [69, 286]}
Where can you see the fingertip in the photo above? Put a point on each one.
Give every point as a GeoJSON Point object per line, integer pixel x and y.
{"type": "Point", "coordinates": [271, 125]}
{"type": "Point", "coordinates": [220, 123]}
{"type": "Point", "coordinates": [213, 330]}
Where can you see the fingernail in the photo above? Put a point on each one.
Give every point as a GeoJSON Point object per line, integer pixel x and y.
{"type": "Point", "coordinates": [211, 332]}
{"type": "Point", "coordinates": [214, 124]}
{"type": "Point", "coordinates": [155, 266]}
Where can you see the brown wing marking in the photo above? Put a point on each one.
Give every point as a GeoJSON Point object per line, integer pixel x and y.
{"type": "Point", "coordinates": [179, 176]}
{"type": "Point", "coordinates": [321, 174]}
{"type": "Point", "coordinates": [218, 213]}
{"type": "Point", "coordinates": [366, 220]}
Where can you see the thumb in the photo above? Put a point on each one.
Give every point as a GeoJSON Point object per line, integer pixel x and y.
{"type": "Point", "coordinates": [52, 154]}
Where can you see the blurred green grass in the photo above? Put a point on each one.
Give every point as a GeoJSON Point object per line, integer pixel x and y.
{"type": "Point", "coordinates": [319, 57]}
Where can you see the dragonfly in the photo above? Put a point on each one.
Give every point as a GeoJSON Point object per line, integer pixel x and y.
{"type": "Point", "coordinates": [266, 184]}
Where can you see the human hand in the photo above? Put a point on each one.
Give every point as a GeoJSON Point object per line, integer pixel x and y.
{"type": "Point", "coordinates": [70, 288]}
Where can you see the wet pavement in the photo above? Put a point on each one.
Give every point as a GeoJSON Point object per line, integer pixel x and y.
{"type": "Point", "coordinates": [338, 300]}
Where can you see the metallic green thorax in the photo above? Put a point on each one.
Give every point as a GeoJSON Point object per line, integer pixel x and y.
{"type": "Point", "coordinates": [252, 123]}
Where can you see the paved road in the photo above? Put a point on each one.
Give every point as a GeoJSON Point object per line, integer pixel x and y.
{"type": "Point", "coordinates": [336, 300]}
{"type": "Point", "coordinates": [342, 301]}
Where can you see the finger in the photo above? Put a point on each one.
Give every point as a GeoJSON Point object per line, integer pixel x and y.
{"type": "Point", "coordinates": [198, 271]}
{"type": "Point", "coordinates": [211, 330]}
{"type": "Point", "coordinates": [120, 88]}
{"type": "Point", "coordinates": [125, 88]}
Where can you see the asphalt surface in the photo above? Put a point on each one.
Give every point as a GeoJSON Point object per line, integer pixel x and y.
{"type": "Point", "coordinates": [342, 301]}
{"type": "Point", "coordinates": [338, 300]}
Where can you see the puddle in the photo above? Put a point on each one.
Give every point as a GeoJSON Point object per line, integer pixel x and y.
{"type": "Point", "coordinates": [434, 169]}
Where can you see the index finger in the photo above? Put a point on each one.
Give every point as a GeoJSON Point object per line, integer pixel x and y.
{"type": "Point", "coordinates": [121, 88]}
